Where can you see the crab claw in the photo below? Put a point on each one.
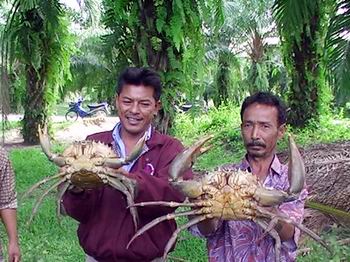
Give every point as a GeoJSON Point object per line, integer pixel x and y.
{"type": "Point", "coordinates": [296, 168]}
{"type": "Point", "coordinates": [270, 197]}
{"type": "Point", "coordinates": [46, 147]}
{"type": "Point", "coordinates": [184, 160]}
{"type": "Point", "coordinates": [136, 152]}
{"type": "Point", "coordinates": [296, 175]}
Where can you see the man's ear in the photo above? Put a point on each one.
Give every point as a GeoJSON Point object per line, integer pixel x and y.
{"type": "Point", "coordinates": [281, 131]}
{"type": "Point", "coordinates": [116, 102]}
{"type": "Point", "coordinates": [158, 105]}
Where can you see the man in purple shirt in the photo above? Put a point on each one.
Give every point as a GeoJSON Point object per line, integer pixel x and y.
{"type": "Point", "coordinates": [263, 117]}
{"type": "Point", "coordinates": [105, 222]}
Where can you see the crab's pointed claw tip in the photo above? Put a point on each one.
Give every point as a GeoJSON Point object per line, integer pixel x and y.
{"type": "Point", "coordinates": [296, 168]}
{"type": "Point", "coordinates": [137, 150]}
{"type": "Point", "coordinates": [184, 160]}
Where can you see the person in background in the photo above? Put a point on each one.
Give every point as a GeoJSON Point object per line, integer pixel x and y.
{"type": "Point", "coordinates": [105, 223]}
{"type": "Point", "coordinates": [8, 206]}
{"type": "Point", "coordinates": [263, 117]}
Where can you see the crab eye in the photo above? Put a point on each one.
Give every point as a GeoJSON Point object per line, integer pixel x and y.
{"type": "Point", "coordinates": [69, 161]}
{"type": "Point", "coordinates": [99, 162]}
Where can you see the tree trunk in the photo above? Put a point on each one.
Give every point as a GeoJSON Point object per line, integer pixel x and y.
{"type": "Point", "coordinates": [307, 72]}
{"type": "Point", "coordinates": [222, 80]}
{"type": "Point", "coordinates": [155, 56]}
{"type": "Point", "coordinates": [35, 108]}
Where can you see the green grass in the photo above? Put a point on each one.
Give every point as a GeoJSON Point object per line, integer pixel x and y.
{"type": "Point", "coordinates": [44, 240]}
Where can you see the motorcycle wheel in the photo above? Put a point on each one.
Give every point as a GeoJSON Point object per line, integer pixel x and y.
{"type": "Point", "coordinates": [71, 116]}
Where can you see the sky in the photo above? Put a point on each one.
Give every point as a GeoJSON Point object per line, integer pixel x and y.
{"type": "Point", "coordinates": [71, 3]}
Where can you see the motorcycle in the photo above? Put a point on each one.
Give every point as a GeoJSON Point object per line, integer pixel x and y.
{"type": "Point", "coordinates": [76, 110]}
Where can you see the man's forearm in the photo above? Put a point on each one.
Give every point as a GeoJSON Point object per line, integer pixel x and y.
{"type": "Point", "coordinates": [9, 218]}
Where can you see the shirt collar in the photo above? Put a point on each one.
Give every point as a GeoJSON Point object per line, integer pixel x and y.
{"type": "Point", "coordinates": [275, 166]}
{"type": "Point", "coordinates": [118, 142]}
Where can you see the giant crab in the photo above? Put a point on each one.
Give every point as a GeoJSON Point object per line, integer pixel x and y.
{"type": "Point", "coordinates": [230, 195]}
{"type": "Point", "coordinates": [87, 164]}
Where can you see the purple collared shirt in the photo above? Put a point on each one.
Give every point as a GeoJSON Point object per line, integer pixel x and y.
{"type": "Point", "coordinates": [237, 240]}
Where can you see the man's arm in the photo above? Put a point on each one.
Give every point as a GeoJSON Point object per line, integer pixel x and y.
{"type": "Point", "coordinates": [295, 211]}
{"type": "Point", "coordinates": [9, 218]}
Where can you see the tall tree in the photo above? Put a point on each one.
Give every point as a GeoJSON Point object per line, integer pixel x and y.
{"type": "Point", "coordinates": [246, 25]}
{"type": "Point", "coordinates": [36, 36]}
{"type": "Point", "coordinates": [165, 35]}
{"type": "Point", "coordinates": [302, 26]}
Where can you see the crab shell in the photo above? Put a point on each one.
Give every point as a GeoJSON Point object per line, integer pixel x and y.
{"type": "Point", "coordinates": [264, 196]}
{"type": "Point", "coordinates": [87, 162]}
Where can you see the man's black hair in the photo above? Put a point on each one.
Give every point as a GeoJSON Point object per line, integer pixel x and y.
{"type": "Point", "coordinates": [267, 98]}
{"type": "Point", "coordinates": [140, 76]}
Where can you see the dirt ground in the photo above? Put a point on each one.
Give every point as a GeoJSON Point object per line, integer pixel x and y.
{"type": "Point", "coordinates": [76, 131]}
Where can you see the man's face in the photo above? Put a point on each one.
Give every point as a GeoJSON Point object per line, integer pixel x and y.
{"type": "Point", "coordinates": [136, 108]}
{"type": "Point", "coordinates": [260, 130]}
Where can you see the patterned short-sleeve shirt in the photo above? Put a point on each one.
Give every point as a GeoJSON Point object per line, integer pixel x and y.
{"type": "Point", "coordinates": [8, 197]}
{"type": "Point", "coordinates": [240, 240]}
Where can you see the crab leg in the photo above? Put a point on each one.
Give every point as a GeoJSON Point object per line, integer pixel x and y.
{"type": "Point", "coordinates": [130, 184]}
{"type": "Point", "coordinates": [39, 201]}
{"type": "Point", "coordinates": [171, 204]}
{"type": "Point", "coordinates": [30, 190]}
{"type": "Point", "coordinates": [172, 240]}
{"type": "Point", "coordinates": [156, 221]}
{"type": "Point", "coordinates": [121, 187]}
{"type": "Point", "coordinates": [46, 147]}
{"type": "Point", "coordinates": [184, 160]}
{"type": "Point", "coordinates": [275, 235]}
{"type": "Point", "coordinates": [60, 194]}
{"type": "Point", "coordinates": [286, 219]}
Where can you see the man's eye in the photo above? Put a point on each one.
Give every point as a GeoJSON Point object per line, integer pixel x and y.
{"type": "Point", "coordinates": [145, 104]}
{"type": "Point", "coordinates": [127, 102]}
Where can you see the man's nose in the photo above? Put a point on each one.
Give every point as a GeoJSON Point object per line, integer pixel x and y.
{"type": "Point", "coordinates": [134, 108]}
{"type": "Point", "coordinates": [255, 132]}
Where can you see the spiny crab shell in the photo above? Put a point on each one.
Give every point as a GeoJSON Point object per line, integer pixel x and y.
{"type": "Point", "coordinates": [233, 193]}
{"type": "Point", "coordinates": [87, 165]}
{"type": "Point", "coordinates": [84, 163]}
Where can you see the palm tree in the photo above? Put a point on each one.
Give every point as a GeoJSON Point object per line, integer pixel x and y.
{"type": "Point", "coordinates": [36, 36]}
{"type": "Point", "coordinates": [311, 44]}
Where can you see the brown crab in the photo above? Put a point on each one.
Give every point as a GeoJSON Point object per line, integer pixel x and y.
{"type": "Point", "coordinates": [230, 195]}
{"type": "Point", "coordinates": [87, 164]}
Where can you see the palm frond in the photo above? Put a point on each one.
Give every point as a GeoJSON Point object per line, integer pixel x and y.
{"type": "Point", "coordinates": [291, 15]}
{"type": "Point", "coordinates": [338, 50]}
{"type": "Point", "coordinates": [328, 210]}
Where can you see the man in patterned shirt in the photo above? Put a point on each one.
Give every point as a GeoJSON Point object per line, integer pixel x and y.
{"type": "Point", "coordinates": [8, 205]}
{"type": "Point", "coordinates": [263, 118]}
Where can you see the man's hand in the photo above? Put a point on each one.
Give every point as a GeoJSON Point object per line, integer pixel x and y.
{"type": "Point", "coordinates": [13, 252]}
